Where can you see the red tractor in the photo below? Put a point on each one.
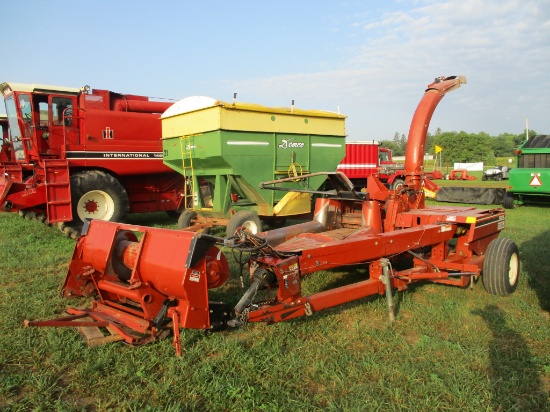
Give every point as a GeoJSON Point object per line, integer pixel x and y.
{"type": "Point", "coordinates": [150, 280]}
{"type": "Point", "coordinates": [77, 153]}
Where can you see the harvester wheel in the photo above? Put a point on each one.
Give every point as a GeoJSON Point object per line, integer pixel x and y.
{"type": "Point", "coordinates": [501, 267]}
{"type": "Point", "coordinates": [508, 201]}
{"type": "Point", "coordinates": [248, 220]}
{"type": "Point", "coordinates": [98, 195]}
{"type": "Point", "coordinates": [187, 218]}
{"type": "Point", "coordinates": [397, 185]}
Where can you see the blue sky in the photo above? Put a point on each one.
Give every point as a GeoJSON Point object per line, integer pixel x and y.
{"type": "Point", "coordinates": [369, 59]}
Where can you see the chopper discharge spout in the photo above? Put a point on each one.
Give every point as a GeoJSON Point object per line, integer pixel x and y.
{"type": "Point", "coordinates": [414, 156]}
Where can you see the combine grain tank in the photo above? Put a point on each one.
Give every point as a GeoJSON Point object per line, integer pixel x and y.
{"type": "Point", "coordinates": [225, 150]}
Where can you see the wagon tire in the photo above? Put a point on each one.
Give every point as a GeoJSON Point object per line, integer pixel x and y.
{"type": "Point", "coordinates": [501, 267]}
{"type": "Point", "coordinates": [508, 201]}
{"type": "Point", "coordinates": [187, 218]}
{"type": "Point", "coordinates": [97, 195]}
{"type": "Point", "coordinates": [248, 220]}
{"type": "Point", "coordinates": [174, 214]}
{"type": "Point", "coordinates": [397, 185]}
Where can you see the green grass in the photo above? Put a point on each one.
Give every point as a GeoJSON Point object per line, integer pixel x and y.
{"type": "Point", "coordinates": [450, 349]}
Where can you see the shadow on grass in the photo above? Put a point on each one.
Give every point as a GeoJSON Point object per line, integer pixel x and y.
{"type": "Point", "coordinates": [536, 263]}
{"type": "Point", "coordinates": [515, 380]}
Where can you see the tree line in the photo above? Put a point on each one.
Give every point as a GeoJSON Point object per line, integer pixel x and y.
{"type": "Point", "coordinates": [462, 146]}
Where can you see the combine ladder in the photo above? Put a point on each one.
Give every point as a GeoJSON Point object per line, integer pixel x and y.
{"type": "Point", "coordinates": [58, 191]}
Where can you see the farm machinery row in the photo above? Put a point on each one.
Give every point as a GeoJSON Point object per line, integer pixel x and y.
{"type": "Point", "coordinates": [150, 281]}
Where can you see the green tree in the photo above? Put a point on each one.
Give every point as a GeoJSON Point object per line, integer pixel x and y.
{"type": "Point", "coordinates": [503, 145]}
{"type": "Point", "coordinates": [403, 144]}
{"type": "Point", "coordinates": [399, 147]}
{"type": "Point", "coordinates": [464, 147]}
{"type": "Point", "coordinates": [429, 147]}
{"type": "Point", "coordinates": [388, 144]}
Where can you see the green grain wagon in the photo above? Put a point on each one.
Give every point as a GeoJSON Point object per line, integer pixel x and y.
{"type": "Point", "coordinates": [225, 150]}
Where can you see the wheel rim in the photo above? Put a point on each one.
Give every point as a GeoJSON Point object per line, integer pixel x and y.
{"type": "Point", "coordinates": [96, 204]}
{"type": "Point", "coordinates": [514, 269]}
{"type": "Point", "coordinates": [250, 226]}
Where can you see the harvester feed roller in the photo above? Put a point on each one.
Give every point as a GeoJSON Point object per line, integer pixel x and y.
{"type": "Point", "coordinates": [148, 281]}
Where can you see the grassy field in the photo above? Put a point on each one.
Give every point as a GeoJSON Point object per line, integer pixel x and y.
{"type": "Point", "coordinates": [450, 349]}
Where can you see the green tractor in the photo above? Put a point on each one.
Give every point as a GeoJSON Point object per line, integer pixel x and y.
{"type": "Point", "coordinates": [530, 179]}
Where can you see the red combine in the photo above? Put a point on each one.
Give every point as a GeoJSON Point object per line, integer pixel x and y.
{"type": "Point", "coordinates": [81, 153]}
{"type": "Point", "coordinates": [150, 280]}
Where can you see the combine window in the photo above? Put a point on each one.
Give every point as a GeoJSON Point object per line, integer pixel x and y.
{"type": "Point", "coordinates": [537, 160]}
{"type": "Point", "coordinates": [62, 109]}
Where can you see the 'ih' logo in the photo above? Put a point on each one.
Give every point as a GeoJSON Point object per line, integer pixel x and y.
{"type": "Point", "coordinates": [535, 181]}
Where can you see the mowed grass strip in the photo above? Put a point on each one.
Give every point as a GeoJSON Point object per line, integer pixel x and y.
{"type": "Point", "coordinates": [450, 349]}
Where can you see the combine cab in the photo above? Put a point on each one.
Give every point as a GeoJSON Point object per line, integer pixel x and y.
{"type": "Point", "coordinates": [150, 282]}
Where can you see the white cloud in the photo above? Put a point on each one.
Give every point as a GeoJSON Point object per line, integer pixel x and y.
{"type": "Point", "coordinates": [502, 47]}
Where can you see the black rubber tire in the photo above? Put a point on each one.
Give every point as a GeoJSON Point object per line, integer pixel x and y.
{"type": "Point", "coordinates": [244, 218]}
{"type": "Point", "coordinates": [186, 219]}
{"type": "Point", "coordinates": [397, 184]}
{"type": "Point", "coordinates": [501, 267]}
{"type": "Point", "coordinates": [484, 177]}
{"type": "Point", "coordinates": [102, 189]}
{"type": "Point", "coordinates": [174, 214]}
{"type": "Point", "coordinates": [508, 201]}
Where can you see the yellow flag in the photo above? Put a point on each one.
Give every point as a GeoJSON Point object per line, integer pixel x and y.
{"type": "Point", "coordinates": [438, 149]}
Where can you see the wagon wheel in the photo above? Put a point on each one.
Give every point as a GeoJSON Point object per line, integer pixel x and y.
{"type": "Point", "coordinates": [248, 220]}
{"type": "Point", "coordinates": [397, 185]}
{"type": "Point", "coordinates": [501, 267]}
{"type": "Point", "coordinates": [189, 218]}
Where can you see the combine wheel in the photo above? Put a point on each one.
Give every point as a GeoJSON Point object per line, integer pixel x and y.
{"type": "Point", "coordinates": [397, 185]}
{"type": "Point", "coordinates": [248, 220]}
{"type": "Point", "coordinates": [501, 267]}
{"type": "Point", "coordinates": [98, 195]}
{"type": "Point", "coordinates": [41, 217]}
{"type": "Point", "coordinates": [71, 232]}
{"type": "Point", "coordinates": [30, 215]}
{"type": "Point", "coordinates": [508, 201]}
{"type": "Point", "coordinates": [188, 218]}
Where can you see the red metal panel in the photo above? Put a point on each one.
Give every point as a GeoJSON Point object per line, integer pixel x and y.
{"type": "Point", "coordinates": [361, 159]}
